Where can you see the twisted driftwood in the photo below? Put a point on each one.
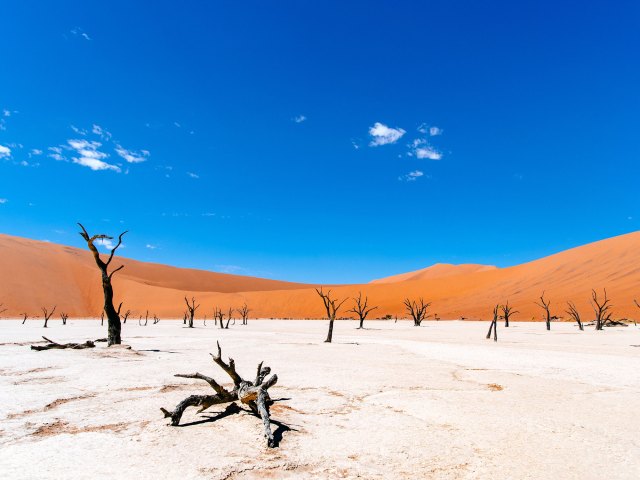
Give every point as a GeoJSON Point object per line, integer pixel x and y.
{"type": "Point", "coordinates": [54, 345]}
{"type": "Point", "coordinates": [253, 394]}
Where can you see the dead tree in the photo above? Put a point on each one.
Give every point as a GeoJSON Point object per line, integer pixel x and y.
{"type": "Point", "coordinates": [146, 319]}
{"type": "Point", "coordinates": [64, 318]}
{"type": "Point", "coordinates": [602, 309]}
{"type": "Point", "coordinates": [418, 311]}
{"type": "Point", "coordinates": [47, 314]}
{"type": "Point", "coordinates": [331, 308]}
{"type": "Point", "coordinates": [184, 318]}
{"type": "Point", "coordinates": [230, 317]}
{"type": "Point", "coordinates": [253, 394]}
{"type": "Point", "coordinates": [218, 314]}
{"type": "Point", "coordinates": [544, 304]}
{"type": "Point", "coordinates": [125, 315]}
{"type": "Point", "coordinates": [494, 324]}
{"type": "Point", "coordinates": [507, 311]}
{"type": "Point", "coordinates": [191, 308]}
{"type": "Point", "coordinates": [113, 317]}
{"type": "Point", "coordinates": [637, 305]}
{"type": "Point", "coordinates": [244, 313]}
{"type": "Point", "coordinates": [573, 313]}
{"type": "Point", "coordinates": [59, 346]}
{"type": "Point", "coordinates": [24, 317]}
{"type": "Point", "coordinates": [360, 308]}
{"type": "Point", "coordinates": [156, 319]}
{"type": "Point", "coordinates": [102, 318]}
{"type": "Point", "coordinates": [205, 320]}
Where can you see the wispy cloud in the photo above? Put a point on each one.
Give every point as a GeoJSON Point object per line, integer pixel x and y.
{"type": "Point", "coordinates": [193, 175]}
{"type": "Point", "coordinates": [77, 130]}
{"type": "Point", "coordinates": [3, 201]}
{"type": "Point", "coordinates": [132, 156]}
{"type": "Point", "coordinates": [89, 155]}
{"type": "Point", "coordinates": [383, 135]}
{"type": "Point", "coordinates": [78, 32]}
{"type": "Point", "coordinates": [151, 247]}
{"type": "Point", "coordinates": [5, 152]}
{"type": "Point", "coordinates": [411, 176]}
{"type": "Point", "coordinates": [299, 118]}
{"type": "Point", "coordinates": [35, 151]}
{"type": "Point", "coordinates": [433, 131]}
{"type": "Point", "coordinates": [6, 113]}
{"type": "Point", "coordinates": [106, 243]}
{"type": "Point", "coordinates": [177, 124]}
{"type": "Point", "coordinates": [421, 149]}
{"type": "Point", "coordinates": [101, 132]}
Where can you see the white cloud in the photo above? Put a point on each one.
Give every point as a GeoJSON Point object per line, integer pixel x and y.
{"type": "Point", "coordinates": [6, 113]}
{"type": "Point", "coordinates": [79, 131]}
{"type": "Point", "coordinates": [36, 151]}
{"type": "Point", "coordinates": [106, 243]}
{"type": "Point", "coordinates": [98, 130]}
{"type": "Point", "coordinates": [434, 131]}
{"type": "Point", "coordinates": [79, 32]}
{"type": "Point", "coordinates": [421, 149]}
{"type": "Point", "coordinates": [132, 156]}
{"type": "Point", "coordinates": [411, 176]}
{"type": "Point", "coordinates": [57, 154]}
{"type": "Point", "coordinates": [177, 124]}
{"type": "Point", "coordinates": [151, 247]}
{"type": "Point", "coordinates": [3, 201]}
{"type": "Point", "coordinates": [89, 155]}
{"type": "Point", "coordinates": [299, 118]}
{"type": "Point", "coordinates": [193, 175]}
{"type": "Point", "coordinates": [5, 152]}
{"type": "Point", "coordinates": [384, 135]}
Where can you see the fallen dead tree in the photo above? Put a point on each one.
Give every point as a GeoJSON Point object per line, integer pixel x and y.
{"type": "Point", "coordinates": [253, 394]}
{"type": "Point", "coordinates": [61, 346]}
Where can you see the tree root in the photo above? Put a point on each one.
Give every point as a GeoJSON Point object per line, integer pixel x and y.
{"type": "Point", "coordinates": [253, 394]}
{"type": "Point", "coordinates": [54, 345]}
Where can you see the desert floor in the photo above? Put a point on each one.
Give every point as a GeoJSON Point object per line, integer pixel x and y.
{"type": "Point", "coordinates": [391, 401]}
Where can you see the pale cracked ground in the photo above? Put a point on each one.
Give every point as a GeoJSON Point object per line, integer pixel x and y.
{"type": "Point", "coordinates": [392, 401]}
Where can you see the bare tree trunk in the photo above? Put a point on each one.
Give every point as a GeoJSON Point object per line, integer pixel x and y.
{"type": "Point", "coordinates": [332, 310]}
{"type": "Point", "coordinates": [113, 317]}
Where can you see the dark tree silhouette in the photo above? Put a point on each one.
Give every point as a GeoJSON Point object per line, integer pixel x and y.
{"type": "Point", "coordinates": [331, 308]}
{"type": "Point", "coordinates": [125, 315]}
{"type": "Point", "coordinates": [24, 317]}
{"type": "Point", "coordinates": [507, 311]}
{"type": "Point", "coordinates": [156, 319]}
{"type": "Point", "coordinates": [219, 316]}
{"type": "Point", "coordinates": [191, 309]}
{"type": "Point", "coordinates": [102, 318]}
{"type": "Point", "coordinates": [47, 314]}
{"type": "Point", "coordinates": [418, 311]}
{"type": "Point", "coordinates": [230, 317]}
{"type": "Point", "coordinates": [64, 318]}
{"type": "Point", "coordinates": [494, 324]}
{"type": "Point", "coordinates": [113, 317]}
{"type": "Point", "coordinates": [360, 308]}
{"type": "Point", "coordinates": [146, 319]}
{"type": "Point", "coordinates": [602, 309]}
{"type": "Point", "coordinates": [574, 314]}
{"type": "Point", "coordinates": [544, 304]}
{"type": "Point", "coordinates": [244, 313]}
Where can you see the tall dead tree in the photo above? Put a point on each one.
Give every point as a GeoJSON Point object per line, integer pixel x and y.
{"type": "Point", "coordinates": [125, 315]}
{"type": "Point", "coordinates": [418, 311]}
{"type": "Point", "coordinates": [574, 314]}
{"type": "Point", "coordinates": [24, 317]}
{"type": "Point", "coordinates": [360, 308]}
{"type": "Point", "coordinates": [47, 314]}
{"type": "Point", "coordinates": [191, 308]}
{"type": "Point", "coordinates": [253, 394]}
{"type": "Point", "coordinates": [113, 317]}
{"type": "Point", "coordinates": [602, 309]}
{"type": "Point", "coordinates": [332, 310]}
{"type": "Point", "coordinates": [244, 313]}
{"type": "Point", "coordinates": [544, 304]}
{"type": "Point", "coordinates": [230, 317]}
{"type": "Point", "coordinates": [507, 311]}
{"type": "Point", "coordinates": [64, 318]}
{"type": "Point", "coordinates": [494, 324]}
{"type": "Point", "coordinates": [218, 314]}
{"type": "Point", "coordinates": [146, 319]}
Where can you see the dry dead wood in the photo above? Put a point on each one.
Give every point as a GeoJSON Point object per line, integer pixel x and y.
{"type": "Point", "coordinates": [54, 345]}
{"type": "Point", "coordinates": [331, 308]}
{"type": "Point", "coordinates": [494, 324]}
{"type": "Point", "coordinates": [507, 311]}
{"type": "Point", "coordinates": [64, 318]}
{"type": "Point", "coordinates": [47, 314]}
{"type": "Point", "coordinates": [244, 313]}
{"type": "Point", "coordinates": [360, 308]}
{"type": "Point", "coordinates": [544, 304]}
{"type": "Point", "coordinates": [574, 314]}
{"type": "Point", "coordinates": [253, 394]}
{"type": "Point", "coordinates": [602, 309]}
{"type": "Point", "coordinates": [191, 307]}
{"type": "Point", "coordinates": [418, 311]}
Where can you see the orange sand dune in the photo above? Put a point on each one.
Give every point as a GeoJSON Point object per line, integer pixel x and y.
{"type": "Point", "coordinates": [36, 273]}
{"type": "Point", "coordinates": [438, 270]}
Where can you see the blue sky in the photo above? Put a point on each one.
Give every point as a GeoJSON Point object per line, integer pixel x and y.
{"type": "Point", "coordinates": [321, 141]}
